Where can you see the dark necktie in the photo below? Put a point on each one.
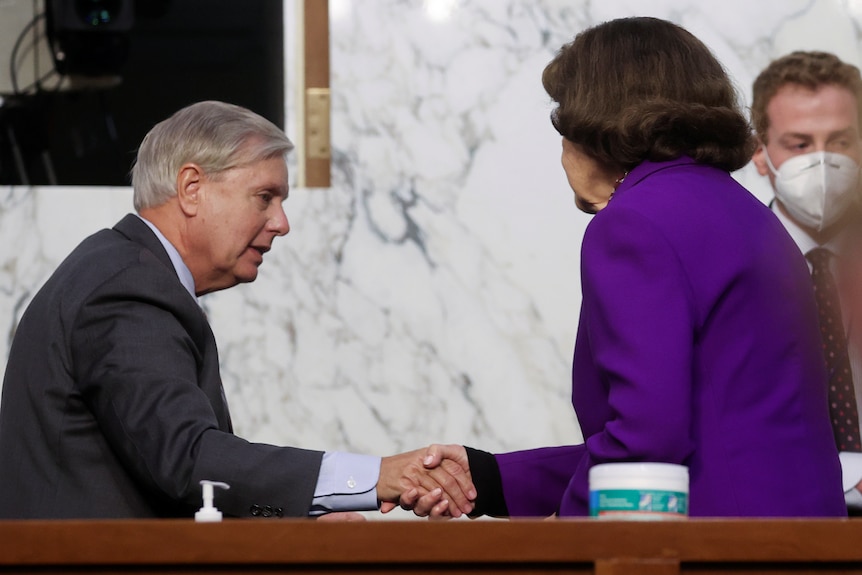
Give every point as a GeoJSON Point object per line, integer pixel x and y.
{"type": "Point", "coordinates": [842, 399]}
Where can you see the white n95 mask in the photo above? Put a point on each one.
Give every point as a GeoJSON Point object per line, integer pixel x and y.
{"type": "Point", "coordinates": [816, 188]}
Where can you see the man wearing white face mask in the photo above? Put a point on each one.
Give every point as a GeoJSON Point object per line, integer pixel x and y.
{"type": "Point", "coordinates": [806, 112]}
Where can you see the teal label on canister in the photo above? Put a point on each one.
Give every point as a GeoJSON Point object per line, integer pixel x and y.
{"type": "Point", "coordinates": [637, 501]}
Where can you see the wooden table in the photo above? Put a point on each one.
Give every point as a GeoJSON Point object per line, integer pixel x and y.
{"type": "Point", "coordinates": [456, 547]}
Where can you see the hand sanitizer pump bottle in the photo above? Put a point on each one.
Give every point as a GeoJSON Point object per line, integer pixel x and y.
{"type": "Point", "coordinates": [208, 513]}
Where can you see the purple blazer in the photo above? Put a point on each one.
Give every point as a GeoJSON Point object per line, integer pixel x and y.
{"type": "Point", "coordinates": [698, 344]}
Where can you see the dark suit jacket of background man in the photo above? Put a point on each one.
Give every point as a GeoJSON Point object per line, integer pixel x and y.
{"type": "Point", "coordinates": [113, 405]}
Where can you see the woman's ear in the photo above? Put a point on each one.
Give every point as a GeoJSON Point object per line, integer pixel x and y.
{"type": "Point", "coordinates": [189, 188]}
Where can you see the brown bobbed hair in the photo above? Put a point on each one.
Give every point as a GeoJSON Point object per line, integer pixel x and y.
{"type": "Point", "coordinates": [637, 89]}
{"type": "Point", "coordinates": [810, 70]}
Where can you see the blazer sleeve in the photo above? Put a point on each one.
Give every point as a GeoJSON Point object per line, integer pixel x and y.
{"type": "Point", "coordinates": [640, 323]}
{"type": "Point", "coordinates": [139, 349]}
{"type": "Point", "coordinates": [535, 480]}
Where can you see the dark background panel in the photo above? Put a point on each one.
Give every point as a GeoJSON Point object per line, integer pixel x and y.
{"type": "Point", "coordinates": [179, 52]}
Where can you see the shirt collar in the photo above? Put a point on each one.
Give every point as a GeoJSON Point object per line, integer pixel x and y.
{"type": "Point", "coordinates": [803, 241]}
{"type": "Point", "coordinates": [179, 265]}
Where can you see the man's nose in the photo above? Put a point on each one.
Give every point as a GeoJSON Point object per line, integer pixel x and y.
{"type": "Point", "coordinates": [278, 223]}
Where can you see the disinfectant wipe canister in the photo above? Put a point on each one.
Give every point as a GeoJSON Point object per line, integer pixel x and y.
{"type": "Point", "coordinates": [639, 491]}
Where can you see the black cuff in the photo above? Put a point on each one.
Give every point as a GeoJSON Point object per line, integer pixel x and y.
{"type": "Point", "coordinates": [488, 482]}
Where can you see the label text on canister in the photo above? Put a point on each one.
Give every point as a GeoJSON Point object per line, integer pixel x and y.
{"type": "Point", "coordinates": [605, 502]}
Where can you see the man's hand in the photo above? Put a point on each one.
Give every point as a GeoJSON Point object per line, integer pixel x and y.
{"type": "Point", "coordinates": [445, 455]}
{"type": "Point", "coordinates": [429, 481]}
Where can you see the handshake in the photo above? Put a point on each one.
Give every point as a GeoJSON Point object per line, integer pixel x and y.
{"type": "Point", "coordinates": [433, 482]}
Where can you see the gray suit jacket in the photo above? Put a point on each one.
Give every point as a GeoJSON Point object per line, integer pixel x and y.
{"type": "Point", "coordinates": [112, 403]}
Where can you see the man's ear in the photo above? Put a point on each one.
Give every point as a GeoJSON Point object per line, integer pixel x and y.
{"type": "Point", "coordinates": [189, 192]}
{"type": "Point", "coordinates": [759, 159]}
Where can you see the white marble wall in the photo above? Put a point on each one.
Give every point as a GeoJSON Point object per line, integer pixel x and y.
{"type": "Point", "coordinates": [432, 293]}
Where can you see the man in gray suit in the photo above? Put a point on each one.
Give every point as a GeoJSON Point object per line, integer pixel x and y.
{"type": "Point", "coordinates": [112, 402]}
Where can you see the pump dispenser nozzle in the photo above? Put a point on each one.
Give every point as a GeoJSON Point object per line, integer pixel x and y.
{"type": "Point", "coordinates": [208, 513]}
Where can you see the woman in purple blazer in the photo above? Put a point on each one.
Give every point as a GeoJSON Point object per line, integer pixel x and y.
{"type": "Point", "coordinates": [698, 340]}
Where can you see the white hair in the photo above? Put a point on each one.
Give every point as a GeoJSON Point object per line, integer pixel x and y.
{"type": "Point", "coordinates": [214, 135]}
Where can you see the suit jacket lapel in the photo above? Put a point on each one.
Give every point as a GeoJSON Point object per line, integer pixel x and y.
{"type": "Point", "coordinates": [136, 230]}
